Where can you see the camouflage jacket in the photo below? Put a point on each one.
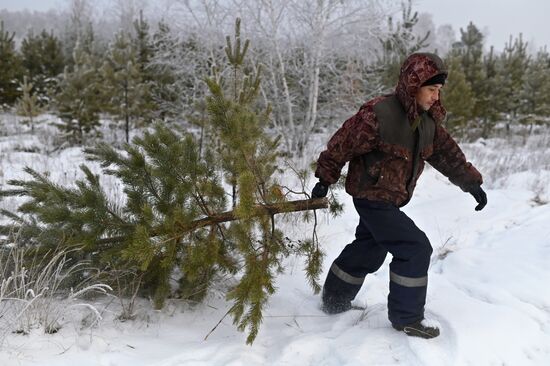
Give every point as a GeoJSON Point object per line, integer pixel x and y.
{"type": "Point", "coordinates": [386, 156]}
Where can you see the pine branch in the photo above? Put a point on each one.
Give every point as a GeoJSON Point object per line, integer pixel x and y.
{"type": "Point", "coordinates": [259, 210]}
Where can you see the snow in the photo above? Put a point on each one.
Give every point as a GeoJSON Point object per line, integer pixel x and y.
{"type": "Point", "coordinates": [488, 291]}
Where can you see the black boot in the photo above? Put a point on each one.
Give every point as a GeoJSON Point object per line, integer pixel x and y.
{"type": "Point", "coordinates": [334, 304]}
{"type": "Point", "coordinates": [338, 293]}
{"type": "Point", "coordinates": [417, 329]}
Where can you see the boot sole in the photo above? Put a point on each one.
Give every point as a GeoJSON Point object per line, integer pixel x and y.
{"type": "Point", "coordinates": [415, 332]}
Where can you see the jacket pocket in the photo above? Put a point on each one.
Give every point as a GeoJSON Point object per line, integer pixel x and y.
{"type": "Point", "coordinates": [372, 165]}
{"type": "Point", "coordinates": [393, 174]}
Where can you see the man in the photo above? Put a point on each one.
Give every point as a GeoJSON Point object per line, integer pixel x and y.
{"type": "Point", "coordinates": [386, 143]}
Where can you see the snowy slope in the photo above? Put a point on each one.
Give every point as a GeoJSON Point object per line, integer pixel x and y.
{"type": "Point", "coordinates": [488, 289]}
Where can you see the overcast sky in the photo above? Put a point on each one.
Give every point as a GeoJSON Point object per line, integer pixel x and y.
{"type": "Point", "coordinates": [32, 4]}
{"type": "Point", "coordinates": [497, 18]}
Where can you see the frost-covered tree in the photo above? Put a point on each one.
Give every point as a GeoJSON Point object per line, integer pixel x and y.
{"type": "Point", "coordinates": [314, 52]}
{"type": "Point", "coordinates": [126, 11]}
{"type": "Point", "coordinates": [440, 39]}
{"type": "Point", "coordinates": [445, 38]}
{"type": "Point", "coordinates": [186, 47]}
{"type": "Point", "coordinates": [78, 29]}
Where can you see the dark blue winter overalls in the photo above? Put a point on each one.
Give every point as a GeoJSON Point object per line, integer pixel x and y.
{"type": "Point", "coordinates": [383, 228]}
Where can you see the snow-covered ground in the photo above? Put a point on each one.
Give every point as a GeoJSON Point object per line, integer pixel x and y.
{"type": "Point", "coordinates": [488, 290]}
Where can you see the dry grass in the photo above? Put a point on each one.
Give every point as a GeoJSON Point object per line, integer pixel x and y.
{"type": "Point", "coordinates": [41, 292]}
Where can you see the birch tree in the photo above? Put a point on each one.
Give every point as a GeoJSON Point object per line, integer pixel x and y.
{"type": "Point", "coordinates": [78, 29]}
{"type": "Point", "coordinates": [307, 47]}
{"type": "Point", "coordinates": [127, 11]}
{"type": "Point", "coordinates": [186, 46]}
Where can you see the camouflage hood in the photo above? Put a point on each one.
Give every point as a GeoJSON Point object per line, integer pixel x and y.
{"type": "Point", "coordinates": [416, 69]}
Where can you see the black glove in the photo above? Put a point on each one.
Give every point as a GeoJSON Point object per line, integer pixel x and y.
{"type": "Point", "coordinates": [480, 196]}
{"type": "Point", "coordinates": [320, 190]}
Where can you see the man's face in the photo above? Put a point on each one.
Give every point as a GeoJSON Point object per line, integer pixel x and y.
{"type": "Point", "coordinates": [428, 95]}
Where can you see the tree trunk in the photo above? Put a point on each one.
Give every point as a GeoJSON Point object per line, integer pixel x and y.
{"type": "Point", "coordinates": [127, 129]}
{"type": "Point", "coordinates": [260, 210]}
{"type": "Point", "coordinates": [126, 115]}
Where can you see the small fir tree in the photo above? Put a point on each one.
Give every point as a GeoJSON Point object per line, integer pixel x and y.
{"type": "Point", "coordinates": [514, 63]}
{"type": "Point", "coordinates": [52, 54]}
{"type": "Point", "coordinates": [470, 48]}
{"type": "Point", "coordinates": [78, 100]}
{"type": "Point", "coordinates": [43, 62]}
{"type": "Point", "coordinates": [126, 93]}
{"type": "Point", "coordinates": [457, 96]}
{"type": "Point", "coordinates": [399, 44]}
{"type": "Point", "coordinates": [30, 51]}
{"type": "Point", "coordinates": [143, 45]}
{"type": "Point", "coordinates": [488, 96]}
{"type": "Point", "coordinates": [27, 105]}
{"type": "Point", "coordinates": [480, 74]}
{"type": "Point", "coordinates": [164, 87]}
{"type": "Point", "coordinates": [10, 66]}
{"type": "Point", "coordinates": [536, 90]}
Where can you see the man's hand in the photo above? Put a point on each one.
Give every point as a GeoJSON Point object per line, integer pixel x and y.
{"type": "Point", "coordinates": [320, 190]}
{"type": "Point", "coordinates": [480, 196]}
